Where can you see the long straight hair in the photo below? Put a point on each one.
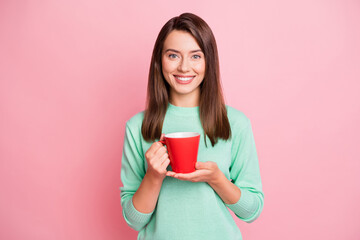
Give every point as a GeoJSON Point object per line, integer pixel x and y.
{"type": "Point", "coordinates": [213, 115]}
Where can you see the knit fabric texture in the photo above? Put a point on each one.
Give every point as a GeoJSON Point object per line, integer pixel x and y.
{"type": "Point", "coordinates": [192, 210]}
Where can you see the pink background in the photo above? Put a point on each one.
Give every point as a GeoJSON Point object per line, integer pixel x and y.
{"type": "Point", "coordinates": [73, 72]}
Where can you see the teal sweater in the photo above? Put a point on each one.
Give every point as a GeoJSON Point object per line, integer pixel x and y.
{"type": "Point", "coordinates": [192, 210]}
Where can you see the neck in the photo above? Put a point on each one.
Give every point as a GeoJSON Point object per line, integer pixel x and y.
{"type": "Point", "coordinates": [188, 100]}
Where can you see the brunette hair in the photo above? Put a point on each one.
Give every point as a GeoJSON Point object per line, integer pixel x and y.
{"type": "Point", "coordinates": [212, 109]}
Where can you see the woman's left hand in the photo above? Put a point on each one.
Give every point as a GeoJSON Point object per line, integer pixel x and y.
{"type": "Point", "coordinates": [205, 172]}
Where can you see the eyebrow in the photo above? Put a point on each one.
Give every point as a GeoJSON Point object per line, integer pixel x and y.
{"type": "Point", "coordinates": [173, 50]}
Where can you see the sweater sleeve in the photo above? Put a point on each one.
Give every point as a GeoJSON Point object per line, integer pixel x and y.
{"type": "Point", "coordinates": [132, 173]}
{"type": "Point", "coordinates": [245, 174]}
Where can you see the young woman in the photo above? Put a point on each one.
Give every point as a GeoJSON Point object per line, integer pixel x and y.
{"type": "Point", "coordinates": [184, 95]}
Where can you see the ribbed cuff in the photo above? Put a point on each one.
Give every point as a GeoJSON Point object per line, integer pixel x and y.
{"type": "Point", "coordinates": [134, 216]}
{"type": "Point", "coordinates": [246, 206]}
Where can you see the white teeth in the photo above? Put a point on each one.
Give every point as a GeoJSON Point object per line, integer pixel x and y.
{"type": "Point", "coordinates": [184, 78]}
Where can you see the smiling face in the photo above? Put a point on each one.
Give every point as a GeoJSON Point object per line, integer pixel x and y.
{"type": "Point", "coordinates": [183, 66]}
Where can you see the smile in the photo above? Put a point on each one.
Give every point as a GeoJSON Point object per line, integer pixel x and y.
{"type": "Point", "coordinates": [184, 79]}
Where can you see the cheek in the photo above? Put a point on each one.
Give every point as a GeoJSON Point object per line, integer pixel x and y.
{"type": "Point", "coordinates": [200, 68]}
{"type": "Point", "coordinates": [166, 70]}
{"type": "Point", "coordinates": [168, 66]}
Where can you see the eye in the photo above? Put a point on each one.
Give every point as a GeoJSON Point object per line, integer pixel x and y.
{"type": "Point", "coordinates": [196, 56]}
{"type": "Point", "coordinates": [173, 55]}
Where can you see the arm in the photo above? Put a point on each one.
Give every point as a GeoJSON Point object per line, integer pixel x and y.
{"type": "Point", "coordinates": [226, 190]}
{"type": "Point", "coordinates": [245, 174]}
{"type": "Point", "coordinates": [146, 196]}
{"type": "Point", "coordinates": [140, 189]}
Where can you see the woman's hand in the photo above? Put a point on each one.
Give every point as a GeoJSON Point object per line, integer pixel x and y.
{"type": "Point", "coordinates": [205, 172]}
{"type": "Point", "coordinates": [157, 159]}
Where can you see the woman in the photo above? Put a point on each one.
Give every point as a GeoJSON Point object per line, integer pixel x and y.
{"type": "Point", "coordinates": [184, 95]}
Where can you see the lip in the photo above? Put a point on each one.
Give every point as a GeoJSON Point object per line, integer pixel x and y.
{"type": "Point", "coordinates": [184, 76]}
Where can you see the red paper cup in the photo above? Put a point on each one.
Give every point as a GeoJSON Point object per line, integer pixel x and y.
{"type": "Point", "coordinates": [183, 150]}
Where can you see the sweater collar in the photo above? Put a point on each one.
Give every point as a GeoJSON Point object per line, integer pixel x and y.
{"type": "Point", "coordinates": [184, 111]}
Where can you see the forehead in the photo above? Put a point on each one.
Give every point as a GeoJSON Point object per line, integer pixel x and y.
{"type": "Point", "coordinates": [181, 41]}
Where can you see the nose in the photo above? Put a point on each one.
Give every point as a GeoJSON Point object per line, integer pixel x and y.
{"type": "Point", "coordinates": [184, 65]}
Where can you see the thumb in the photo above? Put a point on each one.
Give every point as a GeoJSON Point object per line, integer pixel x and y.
{"type": "Point", "coordinates": [200, 165]}
{"type": "Point", "coordinates": [162, 137]}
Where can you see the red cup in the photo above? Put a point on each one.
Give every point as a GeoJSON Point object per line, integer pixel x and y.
{"type": "Point", "coordinates": [183, 150]}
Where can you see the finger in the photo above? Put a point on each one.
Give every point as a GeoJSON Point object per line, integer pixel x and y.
{"type": "Point", "coordinates": [161, 162]}
{"type": "Point", "coordinates": [162, 137]}
{"type": "Point", "coordinates": [154, 147]}
{"type": "Point", "coordinates": [186, 176]}
{"type": "Point", "coordinates": [170, 173]}
{"type": "Point", "coordinates": [160, 152]}
{"type": "Point", "coordinates": [165, 163]}
{"type": "Point", "coordinates": [205, 165]}
{"type": "Point", "coordinates": [163, 157]}
{"type": "Point", "coordinates": [200, 165]}
{"type": "Point", "coordinates": [158, 158]}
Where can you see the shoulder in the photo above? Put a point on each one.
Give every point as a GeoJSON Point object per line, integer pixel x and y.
{"type": "Point", "coordinates": [135, 122]}
{"type": "Point", "coordinates": [238, 120]}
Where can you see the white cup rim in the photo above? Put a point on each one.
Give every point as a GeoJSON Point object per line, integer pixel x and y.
{"type": "Point", "coordinates": [182, 134]}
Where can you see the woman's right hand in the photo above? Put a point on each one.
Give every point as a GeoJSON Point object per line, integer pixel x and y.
{"type": "Point", "coordinates": [157, 159]}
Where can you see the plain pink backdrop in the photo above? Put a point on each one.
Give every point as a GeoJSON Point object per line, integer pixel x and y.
{"type": "Point", "coordinates": [73, 72]}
